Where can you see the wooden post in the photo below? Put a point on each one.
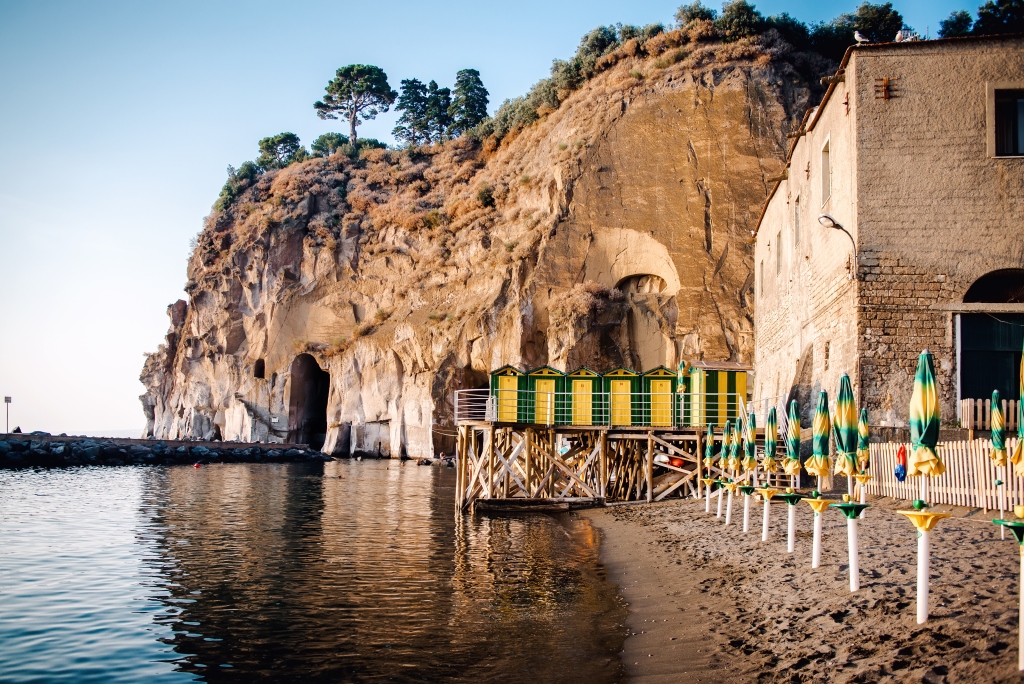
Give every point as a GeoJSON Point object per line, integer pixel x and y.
{"type": "Point", "coordinates": [528, 458]}
{"type": "Point", "coordinates": [650, 467]}
{"type": "Point", "coordinates": [603, 467]}
{"type": "Point", "coordinates": [699, 483]}
{"type": "Point", "coordinates": [460, 463]}
{"type": "Point", "coordinates": [554, 456]}
{"type": "Point", "coordinates": [491, 463]}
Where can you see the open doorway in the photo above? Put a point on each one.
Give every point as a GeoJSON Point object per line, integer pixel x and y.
{"type": "Point", "coordinates": [307, 402]}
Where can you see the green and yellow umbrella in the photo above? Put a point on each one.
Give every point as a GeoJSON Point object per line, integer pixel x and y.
{"type": "Point", "coordinates": [924, 420]}
{"type": "Point", "coordinates": [1017, 458]}
{"type": "Point", "coordinates": [771, 437]}
{"type": "Point", "coordinates": [709, 447]}
{"type": "Point", "coordinates": [820, 463]}
{"type": "Point", "coordinates": [846, 429]}
{"type": "Point", "coordinates": [863, 440]}
{"type": "Point", "coordinates": [998, 423]}
{"type": "Point", "coordinates": [750, 445]}
{"type": "Point", "coordinates": [734, 446]}
{"type": "Point", "coordinates": [791, 464]}
{"type": "Point", "coordinates": [723, 455]}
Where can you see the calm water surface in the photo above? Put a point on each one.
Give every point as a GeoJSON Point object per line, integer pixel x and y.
{"type": "Point", "coordinates": [340, 572]}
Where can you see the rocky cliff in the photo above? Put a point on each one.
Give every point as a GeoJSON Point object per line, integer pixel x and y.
{"type": "Point", "coordinates": [616, 230]}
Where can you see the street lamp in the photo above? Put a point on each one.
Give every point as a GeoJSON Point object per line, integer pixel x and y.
{"type": "Point", "coordinates": [7, 405]}
{"type": "Point", "coordinates": [829, 222]}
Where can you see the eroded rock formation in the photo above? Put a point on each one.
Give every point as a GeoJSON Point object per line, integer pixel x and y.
{"type": "Point", "coordinates": [614, 231]}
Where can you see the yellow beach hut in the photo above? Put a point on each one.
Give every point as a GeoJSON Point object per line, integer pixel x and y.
{"type": "Point", "coordinates": [508, 384]}
{"type": "Point", "coordinates": [583, 388]}
{"type": "Point", "coordinates": [623, 389]}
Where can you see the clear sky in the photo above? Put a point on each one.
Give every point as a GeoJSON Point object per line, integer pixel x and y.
{"type": "Point", "coordinates": [118, 119]}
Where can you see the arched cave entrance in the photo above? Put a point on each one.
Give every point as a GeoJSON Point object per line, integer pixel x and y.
{"type": "Point", "coordinates": [990, 343]}
{"type": "Point", "coordinates": [259, 369]}
{"type": "Point", "coordinates": [307, 402]}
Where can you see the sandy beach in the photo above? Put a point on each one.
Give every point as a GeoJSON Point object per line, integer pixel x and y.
{"type": "Point", "coordinates": [709, 603]}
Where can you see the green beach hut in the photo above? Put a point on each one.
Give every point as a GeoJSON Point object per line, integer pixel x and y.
{"type": "Point", "coordinates": [545, 396]}
{"type": "Point", "coordinates": [715, 392]}
{"type": "Point", "coordinates": [658, 387]}
{"type": "Point", "coordinates": [583, 391]}
{"type": "Point", "coordinates": [508, 386]}
{"type": "Point", "coordinates": [622, 386]}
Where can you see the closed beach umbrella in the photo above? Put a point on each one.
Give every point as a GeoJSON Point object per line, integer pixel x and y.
{"type": "Point", "coordinates": [1017, 458]}
{"type": "Point", "coordinates": [998, 452]}
{"type": "Point", "coordinates": [723, 454]}
{"type": "Point", "coordinates": [846, 432]}
{"type": "Point", "coordinates": [924, 422]}
{"type": "Point", "coordinates": [734, 446]}
{"type": "Point", "coordinates": [750, 445]}
{"type": "Point", "coordinates": [863, 439]}
{"type": "Point", "coordinates": [771, 438]}
{"type": "Point", "coordinates": [709, 459]}
{"type": "Point", "coordinates": [791, 464]}
{"type": "Point", "coordinates": [820, 463]}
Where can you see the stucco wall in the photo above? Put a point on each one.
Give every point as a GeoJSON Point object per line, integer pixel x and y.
{"type": "Point", "coordinates": [931, 213]}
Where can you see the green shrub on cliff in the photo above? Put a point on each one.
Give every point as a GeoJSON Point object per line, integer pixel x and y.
{"type": "Point", "coordinates": [278, 151]}
{"type": "Point", "coordinates": [326, 144]}
{"type": "Point", "coordinates": [238, 180]}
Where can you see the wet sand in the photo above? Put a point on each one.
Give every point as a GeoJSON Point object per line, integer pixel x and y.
{"type": "Point", "coordinates": [709, 603]}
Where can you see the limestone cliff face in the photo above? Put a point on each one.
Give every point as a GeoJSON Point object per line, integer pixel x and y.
{"type": "Point", "coordinates": [619, 234]}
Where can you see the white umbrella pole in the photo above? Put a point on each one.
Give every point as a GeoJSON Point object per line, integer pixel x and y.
{"type": "Point", "coordinates": [851, 543]}
{"type": "Point", "coordinates": [1020, 619]}
{"type": "Point", "coordinates": [816, 549]}
{"type": "Point", "coordinates": [764, 523]}
{"type": "Point", "coordinates": [791, 525]}
{"type": "Point", "coordinates": [728, 509]}
{"type": "Point", "coordinates": [719, 514]}
{"type": "Point", "coordinates": [863, 498]}
{"type": "Point", "coordinates": [746, 512]}
{"type": "Point", "coordinates": [1002, 500]}
{"type": "Point", "coordinates": [707, 499]}
{"type": "Point", "coordinates": [819, 483]}
{"type": "Point", "coordinates": [849, 485]}
{"type": "Point", "coordinates": [922, 577]}
{"type": "Point", "coordinates": [924, 488]}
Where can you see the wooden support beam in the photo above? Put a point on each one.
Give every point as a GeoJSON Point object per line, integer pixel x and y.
{"type": "Point", "coordinates": [528, 458]}
{"type": "Point", "coordinates": [603, 474]}
{"type": "Point", "coordinates": [490, 464]}
{"type": "Point", "coordinates": [650, 467]}
{"type": "Point", "coordinates": [699, 483]}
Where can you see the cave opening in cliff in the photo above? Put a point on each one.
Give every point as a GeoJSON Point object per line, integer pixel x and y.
{"type": "Point", "coordinates": [259, 369]}
{"type": "Point", "coordinates": [307, 402]}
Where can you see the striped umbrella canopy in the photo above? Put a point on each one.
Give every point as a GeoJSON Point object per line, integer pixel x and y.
{"type": "Point", "coordinates": [998, 452]}
{"type": "Point", "coordinates": [924, 420]}
{"type": "Point", "coordinates": [771, 438]}
{"type": "Point", "coordinates": [1017, 458]}
{"type": "Point", "coordinates": [709, 446]}
{"type": "Point", "coordinates": [734, 447]}
{"type": "Point", "coordinates": [820, 463]}
{"type": "Point", "coordinates": [791, 464]}
{"type": "Point", "coordinates": [863, 435]}
{"type": "Point", "coordinates": [723, 455]}
{"type": "Point", "coordinates": [846, 429]}
{"type": "Point", "coordinates": [750, 445]}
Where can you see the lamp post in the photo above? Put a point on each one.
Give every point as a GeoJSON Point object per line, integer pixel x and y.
{"type": "Point", "coordinates": [7, 405]}
{"type": "Point", "coordinates": [829, 222]}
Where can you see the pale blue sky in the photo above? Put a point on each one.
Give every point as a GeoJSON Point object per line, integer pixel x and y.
{"type": "Point", "coordinates": [117, 120]}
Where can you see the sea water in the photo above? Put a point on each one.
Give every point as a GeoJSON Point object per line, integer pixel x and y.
{"type": "Point", "coordinates": [346, 571]}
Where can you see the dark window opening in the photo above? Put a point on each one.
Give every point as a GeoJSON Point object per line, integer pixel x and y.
{"type": "Point", "coordinates": [259, 369]}
{"type": "Point", "coordinates": [307, 403]}
{"type": "Point", "coordinates": [998, 287]}
{"type": "Point", "coordinates": [1009, 123]}
{"type": "Point", "coordinates": [990, 354]}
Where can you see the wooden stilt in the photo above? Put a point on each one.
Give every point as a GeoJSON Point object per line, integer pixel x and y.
{"type": "Point", "coordinates": [650, 467]}
{"type": "Point", "coordinates": [528, 460]}
{"type": "Point", "coordinates": [604, 464]}
{"type": "Point", "coordinates": [490, 465]}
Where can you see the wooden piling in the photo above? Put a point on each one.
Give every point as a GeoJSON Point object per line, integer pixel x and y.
{"type": "Point", "coordinates": [650, 467]}
{"type": "Point", "coordinates": [528, 460]}
{"type": "Point", "coordinates": [490, 463]}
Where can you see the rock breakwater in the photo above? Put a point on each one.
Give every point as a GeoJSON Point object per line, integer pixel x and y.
{"type": "Point", "coordinates": [28, 451]}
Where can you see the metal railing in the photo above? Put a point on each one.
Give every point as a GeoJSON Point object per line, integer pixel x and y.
{"type": "Point", "coordinates": [608, 409]}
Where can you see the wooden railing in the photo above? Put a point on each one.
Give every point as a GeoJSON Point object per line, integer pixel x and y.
{"type": "Point", "coordinates": [969, 479]}
{"type": "Point", "coordinates": [976, 414]}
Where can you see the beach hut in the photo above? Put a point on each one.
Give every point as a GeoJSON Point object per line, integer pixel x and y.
{"type": "Point", "coordinates": [507, 386]}
{"type": "Point", "coordinates": [583, 396]}
{"type": "Point", "coordinates": [658, 387]}
{"type": "Point", "coordinates": [623, 389]}
{"type": "Point", "coordinates": [715, 391]}
{"type": "Point", "coordinates": [546, 396]}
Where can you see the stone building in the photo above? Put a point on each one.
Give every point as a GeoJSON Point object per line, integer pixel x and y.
{"type": "Point", "coordinates": [898, 225]}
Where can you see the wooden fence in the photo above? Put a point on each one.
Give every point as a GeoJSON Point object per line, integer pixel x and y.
{"type": "Point", "coordinates": [969, 479]}
{"type": "Point", "coordinates": [976, 414]}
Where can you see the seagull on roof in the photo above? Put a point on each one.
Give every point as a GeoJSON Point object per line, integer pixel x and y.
{"type": "Point", "coordinates": [859, 38]}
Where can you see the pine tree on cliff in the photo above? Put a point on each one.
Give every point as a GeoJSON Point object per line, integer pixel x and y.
{"type": "Point", "coordinates": [358, 92]}
{"type": "Point", "coordinates": [469, 102]}
{"type": "Point", "coordinates": [412, 125]}
{"type": "Point", "coordinates": [439, 121]}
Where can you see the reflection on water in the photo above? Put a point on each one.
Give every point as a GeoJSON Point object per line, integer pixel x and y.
{"type": "Point", "coordinates": [341, 572]}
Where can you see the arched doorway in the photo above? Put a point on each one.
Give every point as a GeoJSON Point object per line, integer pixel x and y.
{"type": "Point", "coordinates": [990, 342]}
{"type": "Point", "coordinates": [307, 402]}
